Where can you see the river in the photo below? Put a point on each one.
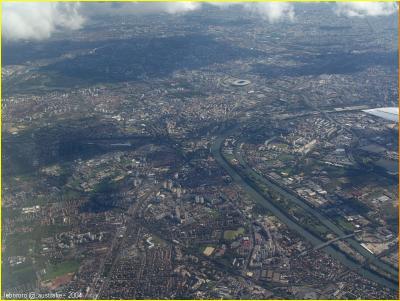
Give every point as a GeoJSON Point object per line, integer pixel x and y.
{"type": "Point", "coordinates": [249, 187]}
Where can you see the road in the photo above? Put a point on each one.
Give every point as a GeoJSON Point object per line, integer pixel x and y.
{"type": "Point", "coordinates": [99, 282]}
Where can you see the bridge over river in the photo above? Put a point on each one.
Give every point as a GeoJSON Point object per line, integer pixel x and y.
{"type": "Point", "coordinates": [325, 244]}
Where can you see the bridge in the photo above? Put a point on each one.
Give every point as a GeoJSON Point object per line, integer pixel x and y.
{"type": "Point", "coordinates": [327, 243]}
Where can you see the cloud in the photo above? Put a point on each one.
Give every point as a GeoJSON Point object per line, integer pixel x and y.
{"type": "Point", "coordinates": [363, 9]}
{"type": "Point", "coordinates": [23, 21]}
{"type": "Point", "coordinates": [272, 11]}
{"type": "Point", "coordinates": [124, 8]}
{"type": "Point", "coordinates": [39, 20]}
{"type": "Point", "coordinates": [179, 7]}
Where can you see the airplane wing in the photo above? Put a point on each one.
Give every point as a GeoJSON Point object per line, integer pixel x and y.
{"type": "Point", "coordinates": [391, 114]}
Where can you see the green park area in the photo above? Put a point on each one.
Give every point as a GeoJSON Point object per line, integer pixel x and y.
{"type": "Point", "coordinates": [233, 234]}
{"type": "Point", "coordinates": [59, 269]}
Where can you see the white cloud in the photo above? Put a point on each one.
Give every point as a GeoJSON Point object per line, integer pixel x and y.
{"type": "Point", "coordinates": [38, 20]}
{"type": "Point", "coordinates": [180, 7]}
{"type": "Point", "coordinates": [362, 9]}
{"type": "Point", "coordinates": [123, 8]}
{"type": "Point", "coordinates": [270, 11]}
{"type": "Point", "coordinates": [273, 11]}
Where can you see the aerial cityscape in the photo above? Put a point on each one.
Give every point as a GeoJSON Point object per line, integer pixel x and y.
{"type": "Point", "coordinates": [188, 150]}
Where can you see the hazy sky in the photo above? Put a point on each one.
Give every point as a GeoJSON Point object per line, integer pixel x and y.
{"type": "Point", "coordinates": [37, 21]}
